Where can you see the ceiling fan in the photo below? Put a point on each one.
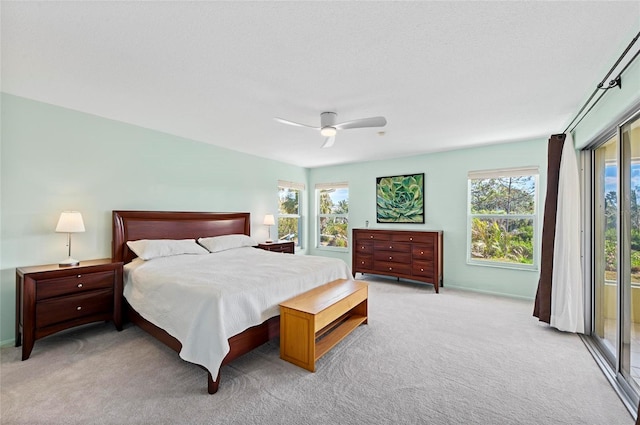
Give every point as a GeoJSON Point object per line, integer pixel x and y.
{"type": "Point", "coordinates": [328, 126]}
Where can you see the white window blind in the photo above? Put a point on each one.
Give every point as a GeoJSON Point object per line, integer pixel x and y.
{"type": "Point", "coordinates": [291, 185]}
{"type": "Point", "coordinates": [342, 185]}
{"type": "Point", "coordinates": [503, 172]}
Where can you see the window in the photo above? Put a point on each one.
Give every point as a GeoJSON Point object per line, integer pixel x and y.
{"type": "Point", "coordinates": [502, 217]}
{"type": "Point", "coordinates": [289, 213]}
{"type": "Point", "coordinates": [332, 200]}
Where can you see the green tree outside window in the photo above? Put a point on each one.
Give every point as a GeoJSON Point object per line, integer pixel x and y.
{"type": "Point", "coordinates": [502, 212]}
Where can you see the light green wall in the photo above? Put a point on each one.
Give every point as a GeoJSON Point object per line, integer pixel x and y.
{"type": "Point", "coordinates": [55, 159]}
{"type": "Point", "coordinates": [445, 204]}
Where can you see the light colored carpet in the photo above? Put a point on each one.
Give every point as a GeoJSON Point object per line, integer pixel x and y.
{"type": "Point", "coordinates": [425, 358]}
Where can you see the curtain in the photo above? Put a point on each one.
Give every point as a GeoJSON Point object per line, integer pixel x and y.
{"type": "Point", "coordinates": [567, 289]}
{"type": "Point", "coordinates": [542, 306]}
{"type": "Point", "coordinates": [560, 295]}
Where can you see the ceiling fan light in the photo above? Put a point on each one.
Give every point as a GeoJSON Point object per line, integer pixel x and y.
{"type": "Point", "coordinates": [328, 131]}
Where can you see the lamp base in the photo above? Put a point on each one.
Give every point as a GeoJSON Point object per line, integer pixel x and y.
{"type": "Point", "coordinates": [69, 262]}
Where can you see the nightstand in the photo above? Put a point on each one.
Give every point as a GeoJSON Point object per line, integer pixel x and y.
{"type": "Point", "coordinates": [51, 298]}
{"type": "Point", "coordinates": [280, 246]}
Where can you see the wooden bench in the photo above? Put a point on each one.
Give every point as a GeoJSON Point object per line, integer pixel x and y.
{"type": "Point", "coordinates": [314, 322]}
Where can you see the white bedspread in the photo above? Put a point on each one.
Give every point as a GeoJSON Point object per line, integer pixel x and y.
{"type": "Point", "coordinates": [203, 300]}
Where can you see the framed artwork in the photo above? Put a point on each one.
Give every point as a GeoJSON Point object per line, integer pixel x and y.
{"type": "Point", "coordinates": [400, 199]}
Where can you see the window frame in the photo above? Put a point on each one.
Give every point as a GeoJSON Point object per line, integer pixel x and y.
{"type": "Point", "coordinates": [318, 188]}
{"type": "Point", "coordinates": [532, 171]}
{"type": "Point", "coordinates": [300, 187]}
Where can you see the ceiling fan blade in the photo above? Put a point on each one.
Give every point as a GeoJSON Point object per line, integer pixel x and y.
{"type": "Point", "coordinates": [283, 121]}
{"type": "Point", "coordinates": [329, 141]}
{"type": "Point", "coordinates": [362, 122]}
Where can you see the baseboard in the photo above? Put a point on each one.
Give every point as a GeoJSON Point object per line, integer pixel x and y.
{"type": "Point", "coordinates": [481, 291]}
{"type": "Point", "coordinates": [8, 342]}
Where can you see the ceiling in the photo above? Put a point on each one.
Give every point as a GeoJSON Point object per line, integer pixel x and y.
{"type": "Point", "coordinates": [446, 75]}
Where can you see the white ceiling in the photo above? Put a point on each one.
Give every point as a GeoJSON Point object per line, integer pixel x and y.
{"type": "Point", "coordinates": [446, 75]}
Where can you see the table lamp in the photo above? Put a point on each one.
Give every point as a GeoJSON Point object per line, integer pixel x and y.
{"type": "Point", "coordinates": [70, 222]}
{"type": "Point", "coordinates": [269, 220]}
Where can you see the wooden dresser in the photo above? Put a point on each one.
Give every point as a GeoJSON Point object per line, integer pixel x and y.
{"type": "Point", "coordinates": [403, 254]}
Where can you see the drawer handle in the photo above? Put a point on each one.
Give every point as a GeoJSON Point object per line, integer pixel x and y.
{"type": "Point", "coordinates": [79, 308]}
{"type": "Point", "coordinates": [421, 270]}
{"type": "Point", "coordinates": [421, 252]}
{"type": "Point", "coordinates": [362, 247]}
{"type": "Point", "coordinates": [390, 247]}
{"type": "Point", "coordinates": [390, 268]}
{"type": "Point", "coordinates": [390, 258]}
{"type": "Point", "coordinates": [371, 236]}
{"type": "Point", "coordinates": [79, 285]}
{"type": "Point", "coordinates": [410, 239]}
{"type": "Point", "coordinates": [363, 262]}
{"type": "Point", "coordinates": [79, 276]}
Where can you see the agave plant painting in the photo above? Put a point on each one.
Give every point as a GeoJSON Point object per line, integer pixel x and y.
{"type": "Point", "coordinates": [400, 199]}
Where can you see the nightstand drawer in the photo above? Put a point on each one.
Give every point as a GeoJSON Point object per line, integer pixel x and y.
{"type": "Point", "coordinates": [58, 310]}
{"type": "Point", "coordinates": [78, 283]}
{"type": "Point", "coordinates": [280, 246]}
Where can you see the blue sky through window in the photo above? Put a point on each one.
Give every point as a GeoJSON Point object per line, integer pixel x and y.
{"type": "Point", "coordinates": [611, 177]}
{"type": "Point", "coordinates": [339, 195]}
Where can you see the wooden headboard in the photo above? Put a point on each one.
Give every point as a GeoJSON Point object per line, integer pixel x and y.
{"type": "Point", "coordinates": [134, 225]}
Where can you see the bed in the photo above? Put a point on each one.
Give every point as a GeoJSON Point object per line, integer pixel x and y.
{"type": "Point", "coordinates": [243, 311]}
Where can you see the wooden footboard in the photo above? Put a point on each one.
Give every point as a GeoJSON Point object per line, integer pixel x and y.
{"type": "Point", "coordinates": [239, 344]}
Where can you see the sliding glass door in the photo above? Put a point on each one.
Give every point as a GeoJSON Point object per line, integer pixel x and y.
{"type": "Point", "coordinates": [630, 282]}
{"type": "Point", "coordinates": [615, 245]}
{"type": "Point", "coordinates": [605, 272]}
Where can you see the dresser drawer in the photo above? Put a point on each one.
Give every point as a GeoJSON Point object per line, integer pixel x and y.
{"type": "Point", "coordinates": [372, 236]}
{"type": "Point", "coordinates": [422, 252]}
{"type": "Point", "coordinates": [58, 310]}
{"type": "Point", "coordinates": [391, 246]}
{"type": "Point", "coordinates": [364, 247]}
{"type": "Point", "coordinates": [389, 267]}
{"type": "Point", "coordinates": [412, 237]}
{"type": "Point", "coordinates": [392, 256]}
{"type": "Point", "coordinates": [78, 283]}
{"type": "Point", "coordinates": [422, 268]}
{"type": "Point", "coordinates": [363, 262]}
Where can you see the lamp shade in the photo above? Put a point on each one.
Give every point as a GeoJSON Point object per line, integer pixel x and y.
{"type": "Point", "coordinates": [70, 222]}
{"type": "Point", "coordinates": [269, 220]}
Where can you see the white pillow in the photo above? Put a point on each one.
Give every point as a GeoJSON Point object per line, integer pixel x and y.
{"type": "Point", "coordinates": [222, 243]}
{"type": "Point", "coordinates": [148, 249]}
